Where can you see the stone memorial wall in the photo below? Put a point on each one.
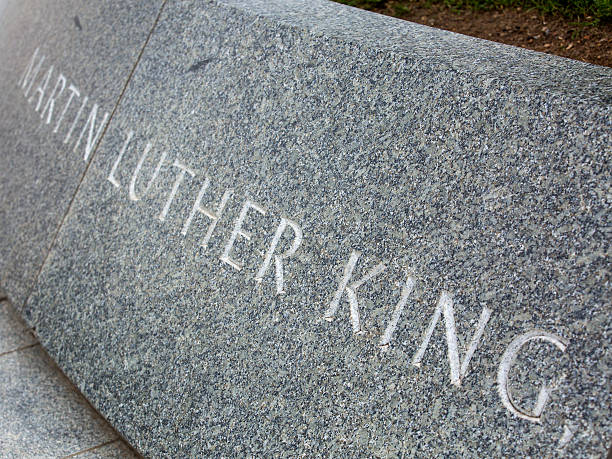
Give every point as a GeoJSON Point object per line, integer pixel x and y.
{"type": "Point", "coordinates": [312, 230]}
{"type": "Point", "coordinates": [63, 67]}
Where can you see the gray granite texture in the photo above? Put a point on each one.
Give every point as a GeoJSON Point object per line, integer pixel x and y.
{"type": "Point", "coordinates": [39, 171]}
{"type": "Point", "coordinates": [446, 170]}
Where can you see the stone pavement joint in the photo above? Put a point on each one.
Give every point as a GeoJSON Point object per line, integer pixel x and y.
{"type": "Point", "coordinates": [43, 413]}
{"type": "Point", "coordinates": [23, 348]}
{"type": "Point", "coordinates": [93, 448]}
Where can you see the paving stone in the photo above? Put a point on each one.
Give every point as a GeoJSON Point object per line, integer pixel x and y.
{"type": "Point", "coordinates": [14, 333]}
{"type": "Point", "coordinates": [42, 415]}
{"type": "Point", "coordinates": [117, 449]}
{"type": "Point", "coordinates": [439, 206]}
{"type": "Point", "coordinates": [80, 63]}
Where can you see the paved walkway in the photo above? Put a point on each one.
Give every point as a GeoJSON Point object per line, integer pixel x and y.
{"type": "Point", "coordinates": [41, 413]}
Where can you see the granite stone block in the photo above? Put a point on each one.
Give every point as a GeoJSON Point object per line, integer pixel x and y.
{"type": "Point", "coordinates": [63, 65]}
{"type": "Point", "coordinates": [311, 230]}
{"type": "Point", "coordinates": [14, 333]}
{"type": "Point", "coordinates": [42, 414]}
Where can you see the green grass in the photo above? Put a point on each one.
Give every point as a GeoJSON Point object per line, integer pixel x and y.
{"type": "Point", "coordinates": [588, 12]}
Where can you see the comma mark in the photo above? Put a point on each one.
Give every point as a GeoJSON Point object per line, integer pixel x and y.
{"type": "Point", "coordinates": [199, 65]}
{"type": "Point", "coordinates": [569, 429]}
{"type": "Point", "coordinates": [77, 23]}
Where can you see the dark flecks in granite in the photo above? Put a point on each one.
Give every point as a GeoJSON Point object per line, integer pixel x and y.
{"type": "Point", "coordinates": [199, 65]}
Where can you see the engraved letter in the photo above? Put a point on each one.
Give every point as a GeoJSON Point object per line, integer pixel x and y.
{"type": "Point", "coordinates": [179, 179]}
{"type": "Point", "coordinates": [73, 91]}
{"type": "Point", "coordinates": [278, 259]}
{"type": "Point", "coordinates": [445, 306]}
{"type": "Point", "coordinates": [111, 176]}
{"type": "Point", "coordinates": [42, 87]}
{"type": "Point", "coordinates": [351, 291]}
{"type": "Point", "coordinates": [406, 290]}
{"type": "Point", "coordinates": [91, 140]}
{"type": "Point", "coordinates": [214, 216]}
{"type": "Point", "coordinates": [506, 364]}
{"type": "Point", "coordinates": [238, 231]}
{"type": "Point", "coordinates": [76, 119]}
{"type": "Point", "coordinates": [131, 189]}
{"type": "Point", "coordinates": [61, 79]}
{"type": "Point", "coordinates": [23, 81]}
{"type": "Point", "coordinates": [31, 73]}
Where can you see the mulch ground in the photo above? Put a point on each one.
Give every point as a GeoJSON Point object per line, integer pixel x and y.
{"type": "Point", "coordinates": [524, 28]}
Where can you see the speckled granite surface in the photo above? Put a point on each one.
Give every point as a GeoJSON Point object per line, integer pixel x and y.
{"type": "Point", "coordinates": [81, 61]}
{"type": "Point", "coordinates": [391, 171]}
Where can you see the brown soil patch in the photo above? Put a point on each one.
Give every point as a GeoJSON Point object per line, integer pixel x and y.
{"type": "Point", "coordinates": [513, 26]}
